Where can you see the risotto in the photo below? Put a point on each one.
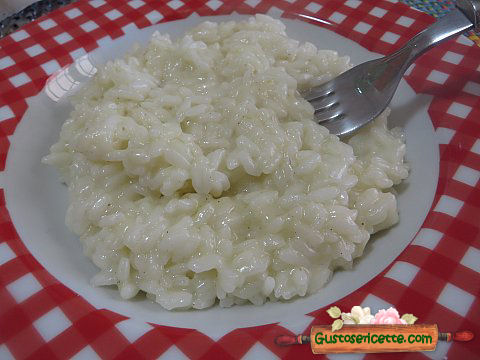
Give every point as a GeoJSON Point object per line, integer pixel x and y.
{"type": "Point", "coordinates": [196, 174]}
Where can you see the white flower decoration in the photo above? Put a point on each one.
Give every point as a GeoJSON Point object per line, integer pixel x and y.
{"type": "Point", "coordinates": [358, 315]}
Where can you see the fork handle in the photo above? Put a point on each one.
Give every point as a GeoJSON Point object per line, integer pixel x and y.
{"type": "Point", "coordinates": [457, 21]}
{"type": "Point", "coordinates": [471, 9]}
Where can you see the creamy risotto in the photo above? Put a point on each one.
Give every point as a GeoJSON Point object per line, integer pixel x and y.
{"type": "Point", "coordinates": [196, 174]}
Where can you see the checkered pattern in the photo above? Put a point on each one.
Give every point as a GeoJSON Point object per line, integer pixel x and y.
{"type": "Point", "coordinates": [436, 277]}
{"type": "Point", "coordinates": [433, 7]}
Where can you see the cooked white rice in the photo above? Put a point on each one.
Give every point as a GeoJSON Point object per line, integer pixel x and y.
{"type": "Point", "coordinates": [196, 173]}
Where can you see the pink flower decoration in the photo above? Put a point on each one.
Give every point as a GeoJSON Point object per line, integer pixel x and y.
{"type": "Point", "coordinates": [389, 316]}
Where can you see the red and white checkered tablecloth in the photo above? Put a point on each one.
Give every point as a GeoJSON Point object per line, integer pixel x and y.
{"type": "Point", "coordinates": [442, 262]}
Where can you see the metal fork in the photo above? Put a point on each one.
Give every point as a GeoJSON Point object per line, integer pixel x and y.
{"type": "Point", "coordinates": [359, 95]}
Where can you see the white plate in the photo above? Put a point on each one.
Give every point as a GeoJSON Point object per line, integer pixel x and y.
{"type": "Point", "coordinates": [38, 201]}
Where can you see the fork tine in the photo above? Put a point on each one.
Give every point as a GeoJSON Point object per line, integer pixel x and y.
{"type": "Point", "coordinates": [319, 92]}
{"type": "Point", "coordinates": [324, 104]}
{"type": "Point", "coordinates": [335, 114]}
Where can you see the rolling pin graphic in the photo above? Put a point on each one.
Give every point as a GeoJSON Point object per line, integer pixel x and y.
{"type": "Point", "coordinates": [373, 338]}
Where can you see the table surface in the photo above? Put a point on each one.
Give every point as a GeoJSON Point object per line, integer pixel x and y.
{"type": "Point", "coordinates": [16, 13]}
